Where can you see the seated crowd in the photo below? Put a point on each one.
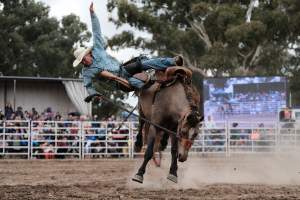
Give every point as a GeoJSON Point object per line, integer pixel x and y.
{"type": "Point", "coordinates": [52, 135]}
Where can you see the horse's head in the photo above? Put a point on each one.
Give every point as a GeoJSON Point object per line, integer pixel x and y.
{"type": "Point", "coordinates": [188, 129]}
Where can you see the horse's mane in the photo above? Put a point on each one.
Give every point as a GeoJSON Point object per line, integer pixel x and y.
{"type": "Point", "coordinates": [192, 95]}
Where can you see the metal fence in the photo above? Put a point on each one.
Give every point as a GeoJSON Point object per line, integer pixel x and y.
{"type": "Point", "coordinates": [15, 139]}
{"type": "Point", "coordinates": [103, 139]}
{"type": "Point", "coordinates": [55, 139]}
{"type": "Point", "coordinates": [88, 139]}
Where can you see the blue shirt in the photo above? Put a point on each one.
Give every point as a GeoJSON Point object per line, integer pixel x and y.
{"type": "Point", "coordinates": [102, 61]}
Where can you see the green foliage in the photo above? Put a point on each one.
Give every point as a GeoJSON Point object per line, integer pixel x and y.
{"type": "Point", "coordinates": [214, 36]}
{"type": "Point", "coordinates": [34, 44]}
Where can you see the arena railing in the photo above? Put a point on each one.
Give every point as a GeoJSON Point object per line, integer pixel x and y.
{"type": "Point", "coordinates": [15, 139]}
{"type": "Point", "coordinates": [288, 137]}
{"type": "Point", "coordinates": [106, 139]}
{"type": "Point", "coordinates": [88, 139]}
{"type": "Point", "coordinates": [212, 138]}
{"type": "Point", "coordinates": [56, 139]}
{"type": "Point", "coordinates": [252, 137]}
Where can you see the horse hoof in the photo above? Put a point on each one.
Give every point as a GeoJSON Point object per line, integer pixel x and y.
{"type": "Point", "coordinates": [138, 178]}
{"type": "Point", "coordinates": [172, 178]}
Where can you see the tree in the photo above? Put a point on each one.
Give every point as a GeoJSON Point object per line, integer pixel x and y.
{"type": "Point", "coordinates": [235, 37]}
{"type": "Point", "coordinates": [34, 44]}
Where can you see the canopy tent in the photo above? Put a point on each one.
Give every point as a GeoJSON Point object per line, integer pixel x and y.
{"type": "Point", "coordinates": [61, 94]}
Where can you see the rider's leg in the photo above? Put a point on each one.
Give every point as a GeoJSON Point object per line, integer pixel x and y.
{"type": "Point", "coordinates": [136, 83]}
{"type": "Point", "coordinates": [161, 63]}
{"type": "Point", "coordinates": [158, 63]}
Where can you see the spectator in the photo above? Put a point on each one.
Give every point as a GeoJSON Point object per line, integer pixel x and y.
{"type": "Point", "coordinates": [95, 118]}
{"type": "Point", "coordinates": [1, 115]}
{"type": "Point", "coordinates": [8, 111]}
{"type": "Point", "coordinates": [27, 115]}
{"type": "Point", "coordinates": [48, 150]}
{"type": "Point", "coordinates": [210, 124]}
{"type": "Point", "coordinates": [19, 112]}
{"type": "Point", "coordinates": [57, 117]}
{"type": "Point", "coordinates": [63, 147]}
{"type": "Point", "coordinates": [209, 133]}
{"type": "Point", "coordinates": [12, 116]}
{"type": "Point", "coordinates": [34, 112]}
{"type": "Point", "coordinates": [49, 114]}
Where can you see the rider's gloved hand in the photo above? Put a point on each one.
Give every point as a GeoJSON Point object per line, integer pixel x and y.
{"type": "Point", "coordinates": [94, 97]}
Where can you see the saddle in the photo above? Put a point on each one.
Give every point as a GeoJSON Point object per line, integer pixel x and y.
{"type": "Point", "coordinates": [171, 73]}
{"type": "Point", "coordinates": [162, 77]}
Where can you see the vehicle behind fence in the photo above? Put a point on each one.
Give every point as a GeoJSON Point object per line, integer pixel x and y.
{"type": "Point", "coordinates": [91, 139]}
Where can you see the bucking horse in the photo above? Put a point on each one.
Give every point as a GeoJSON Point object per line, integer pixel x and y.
{"type": "Point", "coordinates": [173, 103]}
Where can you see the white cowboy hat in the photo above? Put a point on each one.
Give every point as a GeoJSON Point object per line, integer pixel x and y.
{"type": "Point", "coordinates": [79, 53]}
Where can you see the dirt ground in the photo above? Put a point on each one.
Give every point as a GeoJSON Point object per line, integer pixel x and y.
{"type": "Point", "coordinates": [199, 178]}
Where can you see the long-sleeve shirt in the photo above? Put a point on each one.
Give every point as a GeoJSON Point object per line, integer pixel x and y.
{"type": "Point", "coordinates": [102, 61]}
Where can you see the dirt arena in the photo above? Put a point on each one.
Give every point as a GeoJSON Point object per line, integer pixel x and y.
{"type": "Point", "coordinates": [199, 178]}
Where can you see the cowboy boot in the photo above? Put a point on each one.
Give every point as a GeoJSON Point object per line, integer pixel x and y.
{"type": "Point", "coordinates": [178, 60]}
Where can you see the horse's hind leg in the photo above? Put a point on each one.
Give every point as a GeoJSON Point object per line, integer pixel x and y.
{"type": "Point", "coordinates": [148, 155]}
{"type": "Point", "coordinates": [173, 169]}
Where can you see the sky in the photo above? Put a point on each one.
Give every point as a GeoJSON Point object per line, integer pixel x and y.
{"type": "Point", "coordinates": [60, 8]}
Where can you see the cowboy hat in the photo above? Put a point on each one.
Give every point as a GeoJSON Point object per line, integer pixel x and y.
{"type": "Point", "coordinates": [79, 53]}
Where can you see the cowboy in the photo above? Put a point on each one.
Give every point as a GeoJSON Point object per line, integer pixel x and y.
{"type": "Point", "coordinates": [97, 61]}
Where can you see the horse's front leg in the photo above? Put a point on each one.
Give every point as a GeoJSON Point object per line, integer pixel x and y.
{"type": "Point", "coordinates": [148, 155]}
{"type": "Point", "coordinates": [174, 152]}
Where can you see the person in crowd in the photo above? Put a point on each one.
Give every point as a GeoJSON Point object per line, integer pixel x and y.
{"type": "Point", "coordinates": [12, 116]}
{"type": "Point", "coordinates": [1, 115]}
{"type": "Point", "coordinates": [49, 115]}
{"type": "Point", "coordinates": [19, 112]}
{"type": "Point", "coordinates": [27, 115]}
{"type": "Point", "coordinates": [95, 118]}
{"type": "Point", "coordinates": [62, 147]}
{"type": "Point", "coordinates": [34, 112]}
{"type": "Point", "coordinates": [97, 62]}
{"type": "Point", "coordinates": [210, 126]}
{"type": "Point", "coordinates": [57, 117]}
{"type": "Point", "coordinates": [8, 111]}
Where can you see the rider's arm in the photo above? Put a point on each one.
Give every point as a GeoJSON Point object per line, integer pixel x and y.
{"type": "Point", "coordinates": [88, 75]}
{"type": "Point", "coordinates": [98, 39]}
{"type": "Point", "coordinates": [111, 76]}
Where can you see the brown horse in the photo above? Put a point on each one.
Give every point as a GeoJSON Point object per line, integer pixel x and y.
{"type": "Point", "coordinates": [176, 108]}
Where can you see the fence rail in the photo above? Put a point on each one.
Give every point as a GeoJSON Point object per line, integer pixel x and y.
{"type": "Point", "coordinates": [90, 139]}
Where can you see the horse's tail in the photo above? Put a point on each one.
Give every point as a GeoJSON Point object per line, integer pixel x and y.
{"type": "Point", "coordinates": [164, 141]}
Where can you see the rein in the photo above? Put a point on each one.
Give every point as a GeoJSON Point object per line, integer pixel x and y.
{"type": "Point", "coordinates": [142, 118]}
